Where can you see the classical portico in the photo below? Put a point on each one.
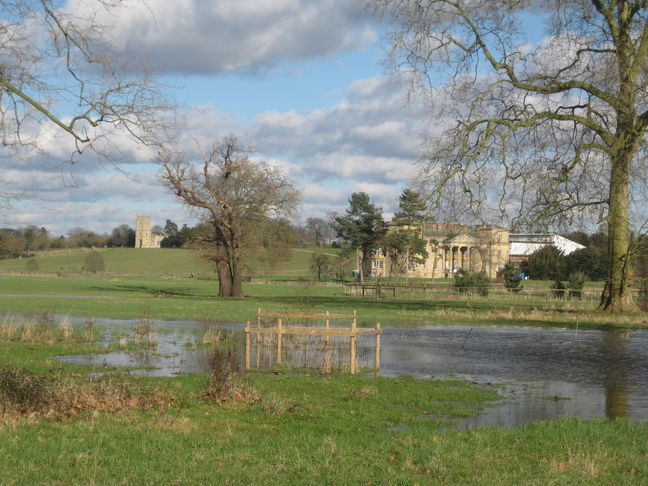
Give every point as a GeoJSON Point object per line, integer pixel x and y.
{"type": "Point", "coordinates": [454, 247]}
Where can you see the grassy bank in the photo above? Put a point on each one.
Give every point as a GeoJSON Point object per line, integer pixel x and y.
{"type": "Point", "coordinates": [291, 429]}
{"type": "Point", "coordinates": [162, 261]}
{"type": "Point", "coordinates": [193, 299]}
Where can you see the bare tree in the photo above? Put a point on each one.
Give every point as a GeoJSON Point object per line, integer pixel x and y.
{"type": "Point", "coordinates": [236, 195]}
{"type": "Point", "coordinates": [316, 230]}
{"type": "Point", "coordinates": [59, 71]}
{"type": "Point", "coordinates": [550, 129]}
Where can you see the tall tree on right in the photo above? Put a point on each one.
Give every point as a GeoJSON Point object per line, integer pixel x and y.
{"type": "Point", "coordinates": [556, 122]}
{"type": "Point", "coordinates": [363, 227]}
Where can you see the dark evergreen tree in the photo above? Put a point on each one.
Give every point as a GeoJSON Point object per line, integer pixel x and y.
{"type": "Point", "coordinates": [411, 209]}
{"type": "Point", "coordinates": [404, 244]}
{"type": "Point", "coordinates": [362, 227]}
{"type": "Point", "coordinates": [547, 263]}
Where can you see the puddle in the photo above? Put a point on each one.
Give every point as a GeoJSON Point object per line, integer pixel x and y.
{"type": "Point", "coordinates": [543, 373]}
{"type": "Point", "coordinates": [548, 373]}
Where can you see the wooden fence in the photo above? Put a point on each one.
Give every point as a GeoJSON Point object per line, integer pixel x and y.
{"type": "Point", "coordinates": [423, 291]}
{"type": "Point", "coordinates": [283, 324]}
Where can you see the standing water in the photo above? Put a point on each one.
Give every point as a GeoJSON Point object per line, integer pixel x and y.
{"type": "Point", "coordinates": [546, 373]}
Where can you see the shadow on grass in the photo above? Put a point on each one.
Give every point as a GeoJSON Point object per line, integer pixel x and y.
{"type": "Point", "coordinates": [150, 290]}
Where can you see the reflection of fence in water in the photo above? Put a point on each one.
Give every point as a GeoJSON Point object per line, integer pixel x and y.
{"type": "Point", "coordinates": [299, 340]}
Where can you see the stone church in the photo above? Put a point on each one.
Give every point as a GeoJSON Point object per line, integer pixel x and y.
{"type": "Point", "coordinates": [145, 237]}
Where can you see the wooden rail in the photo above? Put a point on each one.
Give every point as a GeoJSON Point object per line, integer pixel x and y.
{"type": "Point", "coordinates": [352, 332]}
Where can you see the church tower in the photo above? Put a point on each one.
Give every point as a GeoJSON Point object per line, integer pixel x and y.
{"type": "Point", "coordinates": [143, 232]}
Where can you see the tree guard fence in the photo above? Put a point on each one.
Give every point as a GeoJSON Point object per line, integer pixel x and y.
{"type": "Point", "coordinates": [322, 341]}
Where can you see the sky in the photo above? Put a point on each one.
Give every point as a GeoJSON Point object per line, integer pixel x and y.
{"type": "Point", "coordinates": [302, 81]}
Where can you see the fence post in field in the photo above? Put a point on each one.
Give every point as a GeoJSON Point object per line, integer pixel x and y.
{"type": "Point", "coordinates": [247, 345]}
{"type": "Point", "coordinates": [353, 344]}
{"type": "Point", "coordinates": [279, 340]}
{"type": "Point", "coordinates": [378, 347]}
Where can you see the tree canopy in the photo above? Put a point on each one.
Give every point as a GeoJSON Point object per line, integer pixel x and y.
{"type": "Point", "coordinates": [404, 244]}
{"type": "Point", "coordinates": [362, 227]}
{"type": "Point", "coordinates": [534, 129]}
{"type": "Point", "coordinates": [236, 196]}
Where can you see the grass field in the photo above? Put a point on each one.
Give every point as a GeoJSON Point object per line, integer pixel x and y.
{"type": "Point", "coordinates": [161, 261]}
{"type": "Point", "coordinates": [306, 429]}
{"type": "Point", "coordinates": [194, 299]}
{"type": "Point", "coordinates": [59, 426]}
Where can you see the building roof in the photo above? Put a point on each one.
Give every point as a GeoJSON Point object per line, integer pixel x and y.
{"type": "Point", "coordinates": [527, 243]}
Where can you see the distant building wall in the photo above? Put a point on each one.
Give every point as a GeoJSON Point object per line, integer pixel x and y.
{"type": "Point", "coordinates": [454, 247]}
{"type": "Point", "coordinates": [480, 248]}
{"type": "Point", "coordinates": [144, 237]}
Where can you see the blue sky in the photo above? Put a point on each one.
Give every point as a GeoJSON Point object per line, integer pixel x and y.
{"type": "Point", "coordinates": [301, 81]}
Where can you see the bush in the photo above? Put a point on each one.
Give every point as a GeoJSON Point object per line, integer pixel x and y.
{"type": "Point", "coordinates": [224, 380]}
{"type": "Point", "coordinates": [32, 265]}
{"type": "Point", "coordinates": [558, 289]}
{"type": "Point", "coordinates": [94, 262]}
{"type": "Point", "coordinates": [24, 392]}
{"type": "Point", "coordinates": [576, 282]}
{"type": "Point", "coordinates": [469, 283]}
{"type": "Point", "coordinates": [512, 278]}
{"type": "Point", "coordinates": [547, 263]}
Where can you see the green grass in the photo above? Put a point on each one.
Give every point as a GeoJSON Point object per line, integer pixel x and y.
{"type": "Point", "coordinates": [307, 430]}
{"type": "Point", "coordinates": [194, 299]}
{"type": "Point", "coordinates": [162, 261]}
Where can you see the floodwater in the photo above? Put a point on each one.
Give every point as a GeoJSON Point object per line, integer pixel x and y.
{"type": "Point", "coordinates": [543, 373]}
{"type": "Point", "coordinates": [547, 373]}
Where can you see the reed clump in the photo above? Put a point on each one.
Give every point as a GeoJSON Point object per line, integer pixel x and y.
{"type": "Point", "coordinates": [145, 331]}
{"type": "Point", "coordinates": [225, 380]}
{"type": "Point", "coordinates": [25, 394]}
{"type": "Point", "coordinates": [44, 330]}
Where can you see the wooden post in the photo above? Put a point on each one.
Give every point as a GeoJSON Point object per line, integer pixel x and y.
{"type": "Point", "coordinates": [353, 344]}
{"type": "Point", "coordinates": [257, 355]}
{"type": "Point", "coordinates": [378, 331]}
{"type": "Point", "coordinates": [279, 340]}
{"type": "Point", "coordinates": [247, 345]}
{"type": "Point", "coordinates": [327, 324]}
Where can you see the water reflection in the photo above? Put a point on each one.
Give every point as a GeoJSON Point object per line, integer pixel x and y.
{"type": "Point", "coordinates": [545, 373]}
{"type": "Point", "coordinates": [616, 393]}
{"type": "Point", "coordinates": [548, 372]}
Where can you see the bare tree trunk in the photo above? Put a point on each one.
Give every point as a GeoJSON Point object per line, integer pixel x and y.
{"type": "Point", "coordinates": [365, 264]}
{"type": "Point", "coordinates": [617, 296]}
{"type": "Point", "coordinates": [222, 267]}
{"type": "Point", "coordinates": [237, 278]}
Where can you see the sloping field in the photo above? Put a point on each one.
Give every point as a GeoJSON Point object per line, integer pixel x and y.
{"type": "Point", "coordinates": [158, 261]}
{"type": "Point", "coordinates": [123, 261]}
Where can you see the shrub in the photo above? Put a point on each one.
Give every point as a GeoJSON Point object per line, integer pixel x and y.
{"type": "Point", "coordinates": [576, 282]}
{"type": "Point", "coordinates": [32, 265]}
{"type": "Point", "coordinates": [558, 289]}
{"type": "Point", "coordinates": [512, 278]}
{"type": "Point", "coordinates": [24, 392]}
{"type": "Point", "coordinates": [94, 262]}
{"type": "Point", "coordinates": [471, 283]}
{"type": "Point", "coordinates": [224, 380]}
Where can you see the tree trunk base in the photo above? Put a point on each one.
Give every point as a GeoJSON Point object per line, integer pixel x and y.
{"type": "Point", "coordinates": [614, 301]}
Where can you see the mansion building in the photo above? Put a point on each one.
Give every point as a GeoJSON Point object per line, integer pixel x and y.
{"type": "Point", "coordinates": [479, 248]}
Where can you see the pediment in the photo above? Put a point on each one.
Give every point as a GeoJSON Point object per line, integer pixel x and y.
{"type": "Point", "coordinates": [463, 238]}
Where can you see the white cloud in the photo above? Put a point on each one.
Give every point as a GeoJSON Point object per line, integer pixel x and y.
{"type": "Point", "coordinates": [197, 36]}
{"type": "Point", "coordinates": [368, 141]}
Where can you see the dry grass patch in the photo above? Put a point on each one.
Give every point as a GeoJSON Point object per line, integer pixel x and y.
{"type": "Point", "coordinates": [24, 394]}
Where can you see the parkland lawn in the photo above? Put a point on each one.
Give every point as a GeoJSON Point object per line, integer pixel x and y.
{"type": "Point", "coordinates": [187, 298]}
{"type": "Point", "coordinates": [64, 427]}
{"type": "Point", "coordinates": [289, 429]}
